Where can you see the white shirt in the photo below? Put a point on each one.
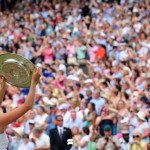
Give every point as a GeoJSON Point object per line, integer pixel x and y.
{"type": "Point", "coordinates": [26, 146]}
{"type": "Point", "coordinates": [87, 139]}
{"type": "Point", "coordinates": [3, 141]}
{"type": "Point", "coordinates": [40, 120]}
{"type": "Point", "coordinates": [134, 122]}
{"type": "Point", "coordinates": [66, 117]}
{"type": "Point", "coordinates": [62, 67]}
{"type": "Point", "coordinates": [42, 141]}
{"type": "Point", "coordinates": [60, 130]}
{"type": "Point", "coordinates": [141, 129]}
{"type": "Point", "coordinates": [75, 123]}
{"type": "Point", "coordinates": [99, 103]}
{"type": "Point", "coordinates": [124, 145]}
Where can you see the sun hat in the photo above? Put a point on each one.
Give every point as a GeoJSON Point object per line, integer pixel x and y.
{"type": "Point", "coordinates": [141, 115]}
{"type": "Point", "coordinates": [19, 131]}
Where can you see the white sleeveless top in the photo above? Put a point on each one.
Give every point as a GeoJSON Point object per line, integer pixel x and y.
{"type": "Point", "coordinates": [3, 141]}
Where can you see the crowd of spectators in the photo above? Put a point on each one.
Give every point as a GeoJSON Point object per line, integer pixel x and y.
{"type": "Point", "coordinates": [95, 60]}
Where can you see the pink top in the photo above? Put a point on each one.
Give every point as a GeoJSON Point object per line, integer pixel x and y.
{"type": "Point", "coordinates": [70, 50]}
{"type": "Point", "coordinates": [92, 53]}
{"type": "Point", "coordinates": [48, 55]}
{"type": "Point", "coordinates": [59, 82]}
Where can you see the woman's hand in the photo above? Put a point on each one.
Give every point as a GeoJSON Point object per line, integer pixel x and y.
{"type": "Point", "coordinates": [36, 76]}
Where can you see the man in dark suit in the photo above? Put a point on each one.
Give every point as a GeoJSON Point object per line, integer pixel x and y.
{"type": "Point", "coordinates": [60, 135]}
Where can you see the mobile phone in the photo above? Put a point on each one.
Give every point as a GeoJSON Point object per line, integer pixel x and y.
{"type": "Point", "coordinates": [106, 138]}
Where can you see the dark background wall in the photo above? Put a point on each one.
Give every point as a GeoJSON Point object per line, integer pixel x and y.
{"type": "Point", "coordinates": [7, 4]}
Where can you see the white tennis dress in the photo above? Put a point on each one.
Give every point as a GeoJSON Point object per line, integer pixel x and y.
{"type": "Point", "coordinates": [3, 141]}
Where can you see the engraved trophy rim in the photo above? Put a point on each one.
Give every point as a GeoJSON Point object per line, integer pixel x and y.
{"type": "Point", "coordinates": [8, 61]}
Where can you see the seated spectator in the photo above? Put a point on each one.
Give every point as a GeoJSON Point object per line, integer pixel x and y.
{"type": "Point", "coordinates": [108, 141]}
{"type": "Point", "coordinates": [137, 143]}
{"type": "Point", "coordinates": [83, 142]}
{"type": "Point", "coordinates": [41, 116]}
{"type": "Point", "coordinates": [74, 121]}
{"type": "Point", "coordinates": [41, 139]}
{"type": "Point", "coordinates": [75, 134]}
{"type": "Point", "coordinates": [27, 144]}
{"type": "Point", "coordinates": [16, 141]}
{"type": "Point", "coordinates": [143, 128]}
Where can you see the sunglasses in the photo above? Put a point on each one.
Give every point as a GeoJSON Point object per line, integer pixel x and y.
{"type": "Point", "coordinates": [59, 120]}
{"type": "Point", "coordinates": [136, 136]}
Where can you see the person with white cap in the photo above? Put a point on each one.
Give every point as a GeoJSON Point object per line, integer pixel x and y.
{"type": "Point", "coordinates": [144, 127]}
{"type": "Point", "coordinates": [88, 84]}
{"type": "Point", "coordinates": [16, 141]}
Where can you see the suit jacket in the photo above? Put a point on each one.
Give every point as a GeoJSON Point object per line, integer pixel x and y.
{"type": "Point", "coordinates": [58, 143]}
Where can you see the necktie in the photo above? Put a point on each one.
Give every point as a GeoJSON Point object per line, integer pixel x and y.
{"type": "Point", "coordinates": [60, 133]}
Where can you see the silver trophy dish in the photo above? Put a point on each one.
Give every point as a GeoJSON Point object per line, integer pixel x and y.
{"type": "Point", "coordinates": [16, 69]}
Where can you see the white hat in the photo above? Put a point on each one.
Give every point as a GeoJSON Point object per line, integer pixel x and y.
{"type": "Point", "coordinates": [19, 131]}
{"type": "Point", "coordinates": [112, 37]}
{"type": "Point", "coordinates": [135, 10]}
{"type": "Point", "coordinates": [51, 102]}
{"type": "Point", "coordinates": [128, 69]}
{"type": "Point", "coordinates": [63, 106]}
{"type": "Point", "coordinates": [45, 100]}
{"type": "Point", "coordinates": [31, 121]}
{"type": "Point", "coordinates": [72, 77]}
{"type": "Point", "coordinates": [115, 63]}
{"type": "Point", "coordinates": [135, 93]}
{"type": "Point", "coordinates": [88, 81]}
{"type": "Point", "coordinates": [141, 115]}
{"type": "Point", "coordinates": [54, 100]}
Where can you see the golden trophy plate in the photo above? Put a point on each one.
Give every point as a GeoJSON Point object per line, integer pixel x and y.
{"type": "Point", "coordinates": [16, 69]}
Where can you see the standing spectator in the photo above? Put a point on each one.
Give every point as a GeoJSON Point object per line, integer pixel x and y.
{"type": "Point", "coordinates": [60, 135]}
{"type": "Point", "coordinates": [81, 52]}
{"type": "Point", "coordinates": [106, 118]}
{"type": "Point", "coordinates": [98, 101]}
{"type": "Point", "coordinates": [51, 118]}
{"type": "Point", "coordinates": [90, 115]}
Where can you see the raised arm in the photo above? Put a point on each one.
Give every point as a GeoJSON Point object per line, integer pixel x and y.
{"type": "Point", "coordinates": [2, 88]}
{"type": "Point", "coordinates": [13, 115]}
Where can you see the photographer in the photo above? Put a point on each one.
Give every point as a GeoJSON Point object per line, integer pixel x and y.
{"type": "Point", "coordinates": [108, 141]}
